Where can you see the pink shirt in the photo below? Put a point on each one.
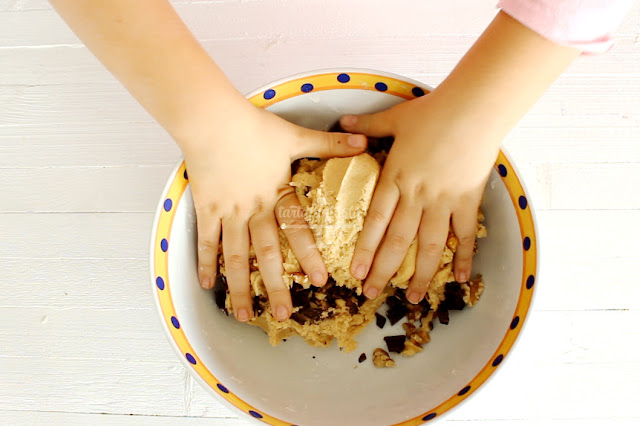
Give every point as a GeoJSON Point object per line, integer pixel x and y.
{"type": "Point", "coordinates": [587, 25]}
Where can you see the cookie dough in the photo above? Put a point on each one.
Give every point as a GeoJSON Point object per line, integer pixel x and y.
{"type": "Point", "coordinates": [335, 196]}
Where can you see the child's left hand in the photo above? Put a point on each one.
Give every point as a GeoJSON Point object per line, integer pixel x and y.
{"type": "Point", "coordinates": [435, 173]}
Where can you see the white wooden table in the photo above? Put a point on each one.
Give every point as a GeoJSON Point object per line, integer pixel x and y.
{"type": "Point", "coordinates": [82, 166]}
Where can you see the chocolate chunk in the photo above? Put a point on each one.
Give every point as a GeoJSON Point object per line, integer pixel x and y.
{"type": "Point", "coordinates": [300, 296]}
{"type": "Point", "coordinates": [443, 316]}
{"type": "Point", "coordinates": [362, 357]}
{"type": "Point", "coordinates": [306, 314]}
{"type": "Point", "coordinates": [396, 312]}
{"type": "Point", "coordinates": [220, 292]}
{"type": "Point", "coordinates": [259, 304]}
{"type": "Point", "coordinates": [380, 320]}
{"type": "Point", "coordinates": [453, 296]}
{"type": "Point", "coordinates": [395, 343]}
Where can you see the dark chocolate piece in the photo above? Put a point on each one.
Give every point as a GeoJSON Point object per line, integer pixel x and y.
{"type": "Point", "coordinates": [395, 343]}
{"type": "Point", "coordinates": [380, 320]}
{"type": "Point", "coordinates": [397, 310]}
{"type": "Point", "coordinates": [220, 292]}
{"type": "Point", "coordinates": [443, 316]}
{"type": "Point", "coordinates": [362, 357]}
{"type": "Point", "coordinates": [453, 297]}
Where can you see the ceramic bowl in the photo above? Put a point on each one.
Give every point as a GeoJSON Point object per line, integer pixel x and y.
{"type": "Point", "coordinates": [298, 384]}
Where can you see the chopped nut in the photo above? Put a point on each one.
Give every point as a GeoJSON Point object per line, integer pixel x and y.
{"type": "Point", "coordinates": [411, 348]}
{"type": "Point", "coordinates": [340, 303]}
{"type": "Point", "coordinates": [320, 296]}
{"type": "Point", "coordinates": [473, 290]}
{"type": "Point", "coordinates": [381, 359]}
{"type": "Point", "coordinates": [452, 242]}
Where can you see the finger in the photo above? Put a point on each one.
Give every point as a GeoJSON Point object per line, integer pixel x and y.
{"type": "Point", "coordinates": [465, 222]}
{"type": "Point", "coordinates": [290, 216]}
{"type": "Point", "coordinates": [377, 125]}
{"type": "Point", "coordinates": [235, 242]}
{"type": "Point", "coordinates": [402, 230]}
{"type": "Point", "coordinates": [434, 228]}
{"type": "Point", "coordinates": [314, 143]}
{"type": "Point", "coordinates": [266, 243]}
{"type": "Point", "coordinates": [208, 243]}
{"type": "Point", "coordinates": [384, 201]}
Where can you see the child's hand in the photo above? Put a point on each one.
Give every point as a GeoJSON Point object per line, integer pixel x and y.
{"type": "Point", "coordinates": [435, 172]}
{"type": "Point", "coordinates": [239, 172]}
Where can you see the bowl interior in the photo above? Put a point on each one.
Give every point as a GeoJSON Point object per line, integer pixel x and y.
{"type": "Point", "coordinates": [305, 385]}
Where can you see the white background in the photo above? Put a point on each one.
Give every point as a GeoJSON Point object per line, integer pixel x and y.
{"type": "Point", "coordinates": [82, 167]}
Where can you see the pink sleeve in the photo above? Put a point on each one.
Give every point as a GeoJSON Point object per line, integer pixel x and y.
{"type": "Point", "coordinates": [584, 24]}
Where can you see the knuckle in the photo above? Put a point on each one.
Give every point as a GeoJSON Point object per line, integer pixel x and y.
{"type": "Point", "coordinates": [376, 218]}
{"type": "Point", "coordinates": [278, 292]}
{"type": "Point", "coordinates": [398, 242]}
{"type": "Point", "coordinates": [208, 244]}
{"type": "Point", "coordinates": [236, 262]}
{"type": "Point", "coordinates": [466, 240]}
{"type": "Point", "coordinates": [430, 250]}
{"type": "Point", "coordinates": [268, 252]}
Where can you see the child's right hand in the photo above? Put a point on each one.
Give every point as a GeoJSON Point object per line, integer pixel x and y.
{"type": "Point", "coordinates": [239, 172]}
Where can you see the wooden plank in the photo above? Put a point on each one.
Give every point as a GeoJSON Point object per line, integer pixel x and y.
{"type": "Point", "coordinates": [113, 189]}
{"type": "Point", "coordinates": [126, 377]}
{"type": "Point", "coordinates": [88, 236]}
{"type": "Point", "coordinates": [56, 417]}
{"type": "Point", "coordinates": [251, 62]}
{"type": "Point", "coordinates": [138, 189]}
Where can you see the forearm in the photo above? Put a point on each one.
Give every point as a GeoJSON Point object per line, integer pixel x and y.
{"type": "Point", "coordinates": [150, 50]}
{"type": "Point", "coordinates": [503, 74]}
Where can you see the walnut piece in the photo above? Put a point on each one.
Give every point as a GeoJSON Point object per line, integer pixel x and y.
{"type": "Point", "coordinates": [381, 359]}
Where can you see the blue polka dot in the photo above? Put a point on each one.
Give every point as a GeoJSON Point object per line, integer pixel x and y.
{"type": "Point", "coordinates": [530, 280]}
{"type": "Point", "coordinates": [307, 87]}
{"type": "Point", "coordinates": [255, 414]}
{"type": "Point", "coordinates": [417, 92]}
{"type": "Point", "coordinates": [186, 176]}
{"type": "Point", "coordinates": [498, 360]}
{"type": "Point", "coordinates": [160, 283]}
{"type": "Point", "coordinates": [502, 170]}
{"type": "Point", "coordinates": [344, 78]}
{"type": "Point", "coordinates": [168, 204]}
{"type": "Point", "coordinates": [514, 322]}
{"type": "Point", "coordinates": [222, 388]}
{"type": "Point", "coordinates": [429, 416]}
{"type": "Point", "coordinates": [164, 244]}
{"type": "Point", "coordinates": [269, 94]}
{"type": "Point", "coordinates": [175, 322]}
{"type": "Point", "coordinates": [526, 244]}
{"type": "Point", "coordinates": [522, 201]}
{"type": "Point", "coordinates": [381, 86]}
{"type": "Point", "coordinates": [190, 358]}
{"type": "Point", "coordinates": [464, 390]}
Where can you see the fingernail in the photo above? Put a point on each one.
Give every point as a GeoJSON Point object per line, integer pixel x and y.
{"type": "Point", "coordinates": [206, 283]}
{"type": "Point", "coordinates": [361, 272]}
{"type": "Point", "coordinates": [282, 313]}
{"type": "Point", "coordinates": [349, 120]}
{"type": "Point", "coordinates": [372, 292]}
{"type": "Point", "coordinates": [462, 277]}
{"type": "Point", "coordinates": [243, 315]}
{"type": "Point", "coordinates": [318, 278]}
{"type": "Point", "coordinates": [414, 297]}
{"type": "Point", "coordinates": [356, 141]}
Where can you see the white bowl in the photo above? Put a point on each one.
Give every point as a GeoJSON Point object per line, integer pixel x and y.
{"type": "Point", "coordinates": [298, 384]}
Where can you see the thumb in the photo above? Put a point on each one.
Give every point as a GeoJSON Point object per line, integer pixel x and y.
{"type": "Point", "coordinates": [376, 125]}
{"type": "Point", "coordinates": [314, 143]}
